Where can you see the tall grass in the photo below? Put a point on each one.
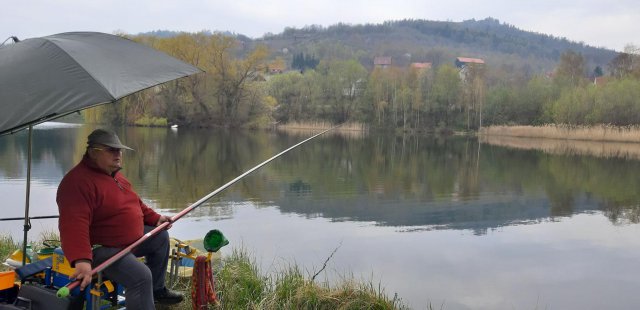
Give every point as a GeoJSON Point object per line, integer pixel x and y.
{"type": "Point", "coordinates": [7, 246]}
{"type": "Point", "coordinates": [587, 133]}
{"type": "Point", "coordinates": [601, 149]}
{"type": "Point", "coordinates": [241, 285]}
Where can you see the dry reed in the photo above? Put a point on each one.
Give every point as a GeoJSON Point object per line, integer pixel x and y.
{"type": "Point", "coordinates": [566, 132]}
{"type": "Point", "coordinates": [350, 129]}
{"type": "Point", "coordinates": [602, 149]}
{"type": "Point", "coordinates": [349, 126]}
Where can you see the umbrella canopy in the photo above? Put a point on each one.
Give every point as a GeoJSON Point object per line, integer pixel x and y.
{"type": "Point", "coordinates": [45, 78]}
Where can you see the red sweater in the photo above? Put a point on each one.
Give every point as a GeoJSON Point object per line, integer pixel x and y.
{"type": "Point", "coordinates": [98, 209]}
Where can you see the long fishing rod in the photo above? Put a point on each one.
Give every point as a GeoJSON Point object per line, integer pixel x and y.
{"type": "Point", "coordinates": [31, 218]}
{"type": "Point", "coordinates": [64, 291]}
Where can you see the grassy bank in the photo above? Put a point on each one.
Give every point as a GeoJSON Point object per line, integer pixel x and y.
{"type": "Point", "coordinates": [241, 285]}
{"type": "Point", "coordinates": [585, 133]}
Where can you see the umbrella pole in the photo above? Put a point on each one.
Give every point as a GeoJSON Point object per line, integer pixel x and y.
{"type": "Point", "coordinates": [27, 222]}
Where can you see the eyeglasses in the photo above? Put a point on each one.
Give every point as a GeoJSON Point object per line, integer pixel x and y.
{"type": "Point", "coordinates": [111, 150]}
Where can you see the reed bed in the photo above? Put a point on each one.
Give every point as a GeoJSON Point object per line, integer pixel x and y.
{"type": "Point", "coordinates": [349, 126]}
{"type": "Point", "coordinates": [568, 132]}
{"type": "Point", "coordinates": [348, 130]}
{"type": "Point", "coordinates": [601, 149]}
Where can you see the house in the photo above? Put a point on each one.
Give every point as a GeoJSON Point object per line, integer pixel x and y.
{"type": "Point", "coordinates": [276, 67]}
{"type": "Point", "coordinates": [421, 65]}
{"type": "Point", "coordinates": [462, 62]}
{"type": "Point", "coordinates": [381, 61]}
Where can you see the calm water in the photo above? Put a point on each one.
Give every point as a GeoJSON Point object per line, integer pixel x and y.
{"type": "Point", "coordinates": [441, 221]}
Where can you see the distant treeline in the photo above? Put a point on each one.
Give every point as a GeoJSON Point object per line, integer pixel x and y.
{"type": "Point", "coordinates": [333, 83]}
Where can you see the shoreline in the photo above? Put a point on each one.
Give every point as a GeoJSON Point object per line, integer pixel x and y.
{"type": "Point", "coordinates": [598, 141]}
{"type": "Point", "coordinates": [597, 133]}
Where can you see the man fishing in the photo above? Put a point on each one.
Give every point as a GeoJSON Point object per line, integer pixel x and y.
{"type": "Point", "coordinates": [100, 214]}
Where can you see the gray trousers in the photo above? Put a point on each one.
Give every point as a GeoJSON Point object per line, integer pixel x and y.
{"type": "Point", "coordinates": [138, 279]}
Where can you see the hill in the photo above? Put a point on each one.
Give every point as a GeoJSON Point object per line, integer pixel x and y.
{"type": "Point", "coordinates": [406, 41]}
{"type": "Point", "coordinates": [438, 42]}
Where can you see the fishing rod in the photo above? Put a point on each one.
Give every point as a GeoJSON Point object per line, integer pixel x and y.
{"type": "Point", "coordinates": [31, 218]}
{"type": "Point", "coordinates": [64, 291]}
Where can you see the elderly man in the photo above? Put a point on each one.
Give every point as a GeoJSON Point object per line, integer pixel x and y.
{"type": "Point", "coordinates": [100, 214]}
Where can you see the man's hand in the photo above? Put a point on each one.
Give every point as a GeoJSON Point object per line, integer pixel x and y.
{"type": "Point", "coordinates": [83, 272]}
{"type": "Point", "coordinates": [162, 219]}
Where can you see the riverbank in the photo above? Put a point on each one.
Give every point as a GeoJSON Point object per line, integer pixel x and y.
{"type": "Point", "coordinates": [565, 132]}
{"type": "Point", "coordinates": [240, 284]}
{"type": "Point", "coordinates": [598, 141]}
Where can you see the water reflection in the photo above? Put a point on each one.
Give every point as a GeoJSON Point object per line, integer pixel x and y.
{"type": "Point", "coordinates": [440, 220]}
{"type": "Point", "coordinates": [389, 180]}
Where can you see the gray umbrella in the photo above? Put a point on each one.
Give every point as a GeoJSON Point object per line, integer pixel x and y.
{"type": "Point", "coordinates": [48, 77]}
{"type": "Point", "coordinates": [45, 78]}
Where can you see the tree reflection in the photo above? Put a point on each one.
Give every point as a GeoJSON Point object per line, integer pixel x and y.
{"type": "Point", "coordinates": [403, 180]}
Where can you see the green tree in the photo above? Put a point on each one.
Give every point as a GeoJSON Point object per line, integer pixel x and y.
{"type": "Point", "coordinates": [597, 72]}
{"type": "Point", "coordinates": [343, 84]}
{"type": "Point", "coordinates": [445, 95]}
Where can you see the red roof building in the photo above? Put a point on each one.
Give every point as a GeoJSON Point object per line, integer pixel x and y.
{"type": "Point", "coordinates": [463, 61]}
{"type": "Point", "coordinates": [421, 65]}
{"type": "Point", "coordinates": [382, 61]}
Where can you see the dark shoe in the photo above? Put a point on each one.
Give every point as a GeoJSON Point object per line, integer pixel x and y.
{"type": "Point", "coordinates": [167, 297]}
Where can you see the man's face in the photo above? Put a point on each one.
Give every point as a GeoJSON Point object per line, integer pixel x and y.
{"type": "Point", "coordinates": [106, 158]}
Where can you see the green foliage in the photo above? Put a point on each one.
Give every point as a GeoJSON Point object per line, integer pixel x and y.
{"type": "Point", "coordinates": [150, 121]}
{"type": "Point", "coordinates": [303, 62]}
{"type": "Point", "coordinates": [7, 246]}
{"type": "Point", "coordinates": [239, 283]}
{"type": "Point", "coordinates": [526, 105]}
{"type": "Point", "coordinates": [598, 72]}
{"type": "Point", "coordinates": [500, 109]}
{"type": "Point", "coordinates": [614, 103]}
{"type": "Point", "coordinates": [295, 94]}
{"type": "Point", "coordinates": [445, 95]}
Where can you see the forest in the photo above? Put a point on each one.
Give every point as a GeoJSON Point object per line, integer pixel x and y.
{"type": "Point", "coordinates": [326, 74]}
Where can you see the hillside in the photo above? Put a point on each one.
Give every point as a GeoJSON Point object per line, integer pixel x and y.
{"type": "Point", "coordinates": [438, 42]}
{"type": "Point", "coordinates": [406, 41]}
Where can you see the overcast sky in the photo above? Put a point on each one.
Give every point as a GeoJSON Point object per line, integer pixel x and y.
{"type": "Point", "coordinates": [611, 24]}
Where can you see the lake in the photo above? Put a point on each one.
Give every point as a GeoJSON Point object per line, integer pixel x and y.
{"type": "Point", "coordinates": [451, 222]}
